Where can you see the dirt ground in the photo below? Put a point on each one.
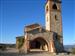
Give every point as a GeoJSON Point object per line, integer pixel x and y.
{"type": "Point", "coordinates": [14, 52]}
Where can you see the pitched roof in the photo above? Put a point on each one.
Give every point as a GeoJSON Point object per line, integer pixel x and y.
{"type": "Point", "coordinates": [31, 27]}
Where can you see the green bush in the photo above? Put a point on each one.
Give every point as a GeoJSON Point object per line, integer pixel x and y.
{"type": "Point", "coordinates": [73, 50]}
{"type": "Point", "coordinates": [2, 47]}
{"type": "Point", "coordinates": [21, 41]}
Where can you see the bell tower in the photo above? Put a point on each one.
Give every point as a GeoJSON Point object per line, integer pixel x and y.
{"type": "Point", "coordinates": [53, 21]}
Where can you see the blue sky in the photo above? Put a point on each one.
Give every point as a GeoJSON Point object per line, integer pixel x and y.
{"type": "Point", "coordinates": [15, 14]}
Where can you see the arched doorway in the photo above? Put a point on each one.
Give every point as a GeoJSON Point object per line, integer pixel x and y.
{"type": "Point", "coordinates": [39, 43]}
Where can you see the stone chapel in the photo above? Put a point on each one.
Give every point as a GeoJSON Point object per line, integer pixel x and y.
{"type": "Point", "coordinates": [49, 39]}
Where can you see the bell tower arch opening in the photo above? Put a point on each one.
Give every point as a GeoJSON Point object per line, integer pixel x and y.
{"type": "Point", "coordinates": [39, 43]}
{"type": "Point", "coordinates": [54, 6]}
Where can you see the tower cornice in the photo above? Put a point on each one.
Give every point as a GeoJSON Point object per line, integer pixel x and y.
{"type": "Point", "coordinates": [53, 0]}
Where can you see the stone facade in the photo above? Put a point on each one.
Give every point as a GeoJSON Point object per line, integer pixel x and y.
{"type": "Point", "coordinates": [49, 39]}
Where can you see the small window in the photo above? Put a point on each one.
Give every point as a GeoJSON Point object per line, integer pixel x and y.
{"type": "Point", "coordinates": [56, 17]}
{"type": "Point", "coordinates": [54, 6]}
{"type": "Point", "coordinates": [56, 37]}
{"type": "Point", "coordinates": [47, 9]}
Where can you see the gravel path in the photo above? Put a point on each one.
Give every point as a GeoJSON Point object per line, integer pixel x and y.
{"type": "Point", "coordinates": [34, 54]}
{"type": "Point", "coordinates": [13, 52]}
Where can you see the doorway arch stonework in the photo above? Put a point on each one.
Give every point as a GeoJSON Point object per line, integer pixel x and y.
{"type": "Point", "coordinates": [39, 43]}
{"type": "Point", "coordinates": [45, 37]}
